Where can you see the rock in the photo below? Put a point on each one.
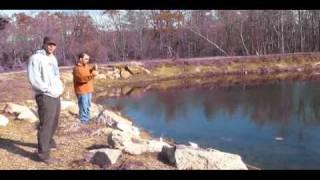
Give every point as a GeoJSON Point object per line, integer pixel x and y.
{"type": "Point", "coordinates": [28, 115]}
{"type": "Point", "coordinates": [101, 159]}
{"type": "Point", "coordinates": [118, 139]}
{"type": "Point", "coordinates": [194, 145]}
{"type": "Point", "coordinates": [3, 120]}
{"type": "Point", "coordinates": [124, 141]}
{"type": "Point", "coordinates": [134, 148]}
{"type": "Point", "coordinates": [156, 146]}
{"type": "Point", "coordinates": [15, 109]}
{"type": "Point", "coordinates": [134, 145]}
{"type": "Point", "coordinates": [132, 165]}
{"type": "Point", "coordinates": [110, 118]}
{"type": "Point", "coordinates": [167, 155]}
{"type": "Point", "coordinates": [125, 74]}
{"type": "Point", "coordinates": [111, 154]}
{"type": "Point", "coordinates": [190, 158]}
{"type": "Point", "coordinates": [128, 128]}
{"type": "Point", "coordinates": [126, 90]}
{"type": "Point", "coordinates": [67, 104]}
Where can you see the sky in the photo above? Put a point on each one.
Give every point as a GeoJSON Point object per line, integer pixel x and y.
{"type": "Point", "coordinates": [95, 14]}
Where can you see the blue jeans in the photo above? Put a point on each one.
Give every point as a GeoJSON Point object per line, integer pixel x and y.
{"type": "Point", "coordinates": [84, 102]}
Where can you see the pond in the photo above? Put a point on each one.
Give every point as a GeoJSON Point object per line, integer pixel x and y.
{"type": "Point", "coordinates": [271, 126]}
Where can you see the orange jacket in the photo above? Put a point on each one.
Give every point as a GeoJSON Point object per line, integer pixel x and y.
{"type": "Point", "coordinates": [82, 79]}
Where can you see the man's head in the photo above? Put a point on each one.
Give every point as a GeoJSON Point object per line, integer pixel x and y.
{"type": "Point", "coordinates": [84, 58]}
{"type": "Point", "coordinates": [49, 45]}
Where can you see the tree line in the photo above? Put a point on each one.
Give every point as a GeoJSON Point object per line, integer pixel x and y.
{"type": "Point", "coordinates": [123, 35]}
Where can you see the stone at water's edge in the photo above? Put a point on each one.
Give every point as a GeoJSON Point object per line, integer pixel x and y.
{"type": "Point", "coordinates": [167, 155]}
{"type": "Point", "coordinates": [194, 145]}
{"type": "Point", "coordinates": [3, 120]}
{"type": "Point", "coordinates": [133, 144]}
{"type": "Point", "coordinates": [156, 146]}
{"type": "Point", "coordinates": [186, 157]}
{"type": "Point", "coordinates": [15, 109]}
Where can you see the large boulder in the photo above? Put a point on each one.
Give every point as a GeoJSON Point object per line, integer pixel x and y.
{"type": "Point", "coordinates": [119, 139]}
{"type": "Point", "coordinates": [134, 148]}
{"type": "Point", "coordinates": [128, 128]}
{"type": "Point", "coordinates": [101, 159]}
{"type": "Point", "coordinates": [3, 120]}
{"type": "Point", "coordinates": [167, 155]}
{"type": "Point", "coordinates": [15, 109]}
{"type": "Point", "coordinates": [110, 118]}
{"type": "Point", "coordinates": [134, 145]}
{"type": "Point", "coordinates": [186, 157]}
{"type": "Point", "coordinates": [156, 146]}
{"type": "Point", "coordinates": [29, 115]}
{"type": "Point", "coordinates": [124, 141]}
{"type": "Point", "coordinates": [111, 154]}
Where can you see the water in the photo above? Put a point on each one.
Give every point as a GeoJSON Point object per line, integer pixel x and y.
{"type": "Point", "coordinates": [274, 126]}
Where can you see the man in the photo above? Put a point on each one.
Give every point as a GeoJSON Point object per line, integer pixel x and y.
{"type": "Point", "coordinates": [83, 77]}
{"type": "Point", "coordinates": [43, 74]}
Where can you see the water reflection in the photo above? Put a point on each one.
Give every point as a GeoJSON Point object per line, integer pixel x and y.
{"type": "Point", "coordinates": [245, 120]}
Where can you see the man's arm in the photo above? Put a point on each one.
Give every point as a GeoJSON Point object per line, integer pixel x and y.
{"type": "Point", "coordinates": [82, 77]}
{"type": "Point", "coordinates": [34, 75]}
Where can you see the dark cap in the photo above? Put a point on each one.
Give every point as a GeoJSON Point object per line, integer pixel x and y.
{"type": "Point", "coordinates": [48, 40]}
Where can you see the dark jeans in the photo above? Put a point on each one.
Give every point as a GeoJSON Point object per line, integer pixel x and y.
{"type": "Point", "coordinates": [49, 111]}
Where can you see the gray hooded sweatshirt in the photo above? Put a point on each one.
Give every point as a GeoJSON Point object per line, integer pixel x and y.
{"type": "Point", "coordinates": [43, 74]}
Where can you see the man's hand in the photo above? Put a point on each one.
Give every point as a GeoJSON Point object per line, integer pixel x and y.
{"type": "Point", "coordinates": [94, 72]}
